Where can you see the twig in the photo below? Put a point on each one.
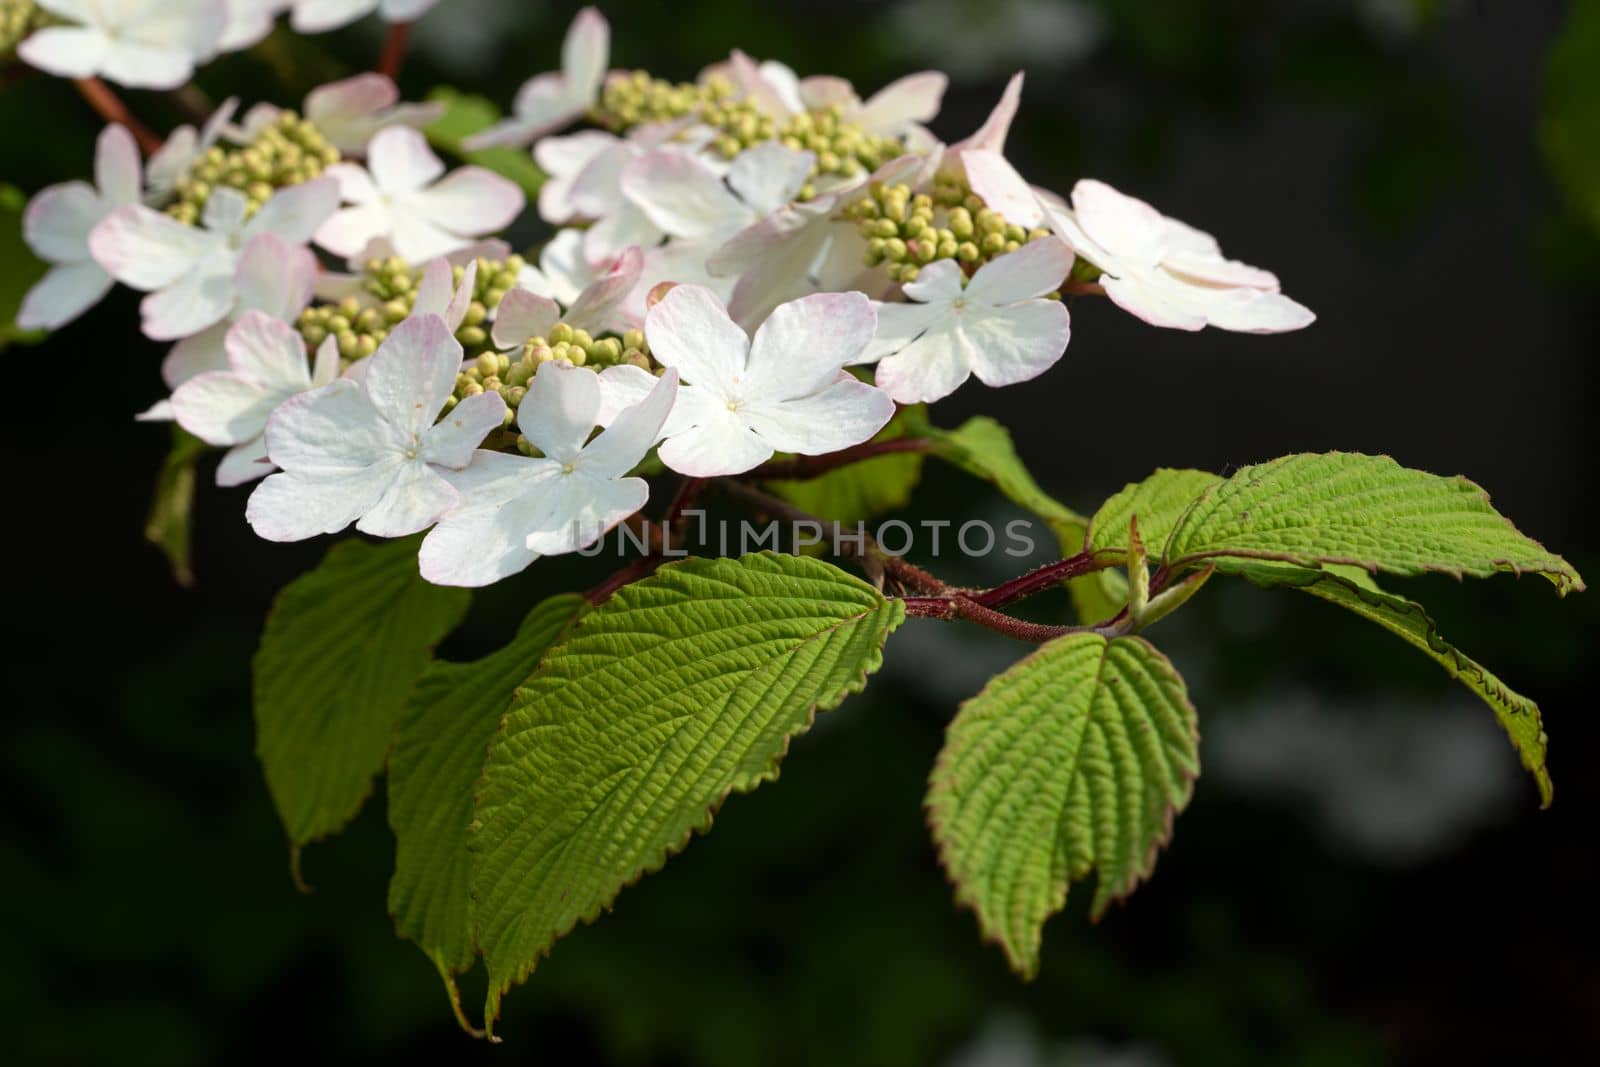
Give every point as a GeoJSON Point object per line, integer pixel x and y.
{"type": "Point", "coordinates": [1036, 581]}
{"type": "Point", "coordinates": [960, 607]}
{"type": "Point", "coordinates": [802, 467]}
{"type": "Point", "coordinates": [107, 104]}
{"type": "Point", "coordinates": [393, 56]}
{"type": "Point", "coordinates": [643, 567]}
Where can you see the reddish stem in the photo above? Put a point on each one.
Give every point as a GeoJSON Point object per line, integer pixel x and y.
{"type": "Point", "coordinates": [643, 567]}
{"type": "Point", "coordinates": [802, 467]}
{"type": "Point", "coordinates": [960, 607]}
{"type": "Point", "coordinates": [1035, 581]}
{"type": "Point", "coordinates": [1070, 288]}
{"type": "Point", "coordinates": [393, 56]}
{"type": "Point", "coordinates": [111, 108]}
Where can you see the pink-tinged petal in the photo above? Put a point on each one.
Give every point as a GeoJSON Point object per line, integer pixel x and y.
{"type": "Point", "coordinates": [1128, 228]}
{"type": "Point", "coordinates": [319, 16]}
{"type": "Point", "coordinates": [416, 238]}
{"type": "Point", "coordinates": [1156, 302]}
{"type": "Point", "coordinates": [623, 386]}
{"type": "Point", "coordinates": [1065, 226]}
{"type": "Point", "coordinates": [560, 410]}
{"type": "Point", "coordinates": [66, 51]}
{"type": "Point", "coordinates": [455, 312]}
{"type": "Point", "coordinates": [349, 231]}
{"type": "Point", "coordinates": [597, 187]}
{"type": "Point", "coordinates": [914, 98]}
{"type": "Point", "coordinates": [1219, 272]}
{"type": "Point", "coordinates": [585, 53]}
{"type": "Point", "coordinates": [198, 299]}
{"type": "Point", "coordinates": [330, 432]}
{"type": "Point", "coordinates": [1001, 187]}
{"type": "Point", "coordinates": [522, 315]}
{"type": "Point", "coordinates": [930, 368]}
{"type": "Point", "coordinates": [899, 325]}
{"type": "Point", "coordinates": [267, 351]}
{"type": "Point", "coordinates": [435, 289]}
{"type": "Point", "coordinates": [292, 507]}
{"type": "Point", "coordinates": [474, 546]}
{"type": "Point", "coordinates": [413, 373]}
{"type": "Point", "coordinates": [682, 195]}
{"type": "Point", "coordinates": [764, 92]}
{"type": "Point", "coordinates": [689, 329]}
{"type": "Point", "coordinates": [626, 227]}
{"type": "Point", "coordinates": [767, 177]}
{"type": "Point", "coordinates": [160, 411]}
{"type": "Point", "coordinates": [142, 66]}
{"type": "Point", "coordinates": [451, 440]}
{"type": "Point", "coordinates": [1016, 343]}
{"type": "Point", "coordinates": [846, 413]}
{"type": "Point", "coordinates": [543, 104]}
{"type": "Point", "coordinates": [147, 249]}
{"type": "Point", "coordinates": [195, 354]}
{"type": "Point", "coordinates": [633, 432]}
{"type": "Point", "coordinates": [221, 408]}
{"type": "Point", "coordinates": [325, 367]}
{"type": "Point", "coordinates": [598, 308]}
{"type": "Point", "coordinates": [1033, 270]}
{"type": "Point", "coordinates": [116, 166]}
{"type": "Point", "coordinates": [350, 98]}
{"type": "Point", "coordinates": [355, 184]}
{"type": "Point", "coordinates": [244, 463]}
{"type": "Point", "coordinates": [939, 282]}
{"type": "Point", "coordinates": [471, 201]}
{"type": "Point", "coordinates": [295, 213]}
{"type": "Point", "coordinates": [65, 292]}
{"type": "Point", "coordinates": [825, 90]}
{"type": "Point", "coordinates": [804, 343]}
{"type": "Point", "coordinates": [575, 512]}
{"type": "Point", "coordinates": [413, 501]}
{"type": "Point", "coordinates": [275, 276]}
{"type": "Point", "coordinates": [1251, 310]}
{"type": "Point", "coordinates": [400, 160]}
{"type": "Point", "coordinates": [59, 219]}
{"type": "Point", "coordinates": [563, 159]}
{"type": "Point", "coordinates": [718, 445]}
{"type": "Point", "coordinates": [992, 134]}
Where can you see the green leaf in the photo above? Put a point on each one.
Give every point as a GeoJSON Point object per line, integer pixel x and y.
{"type": "Point", "coordinates": [1355, 590]}
{"type": "Point", "coordinates": [679, 690]}
{"type": "Point", "coordinates": [342, 648]}
{"type": "Point", "coordinates": [1074, 760]}
{"type": "Point", "coordinates": [170, 526]}
{"type": "Point", "coordinates": [983, 448]}
{"type": "Point", "coordinates": [1159, 501]}
{"type": "Point", "coordinates": [465, 115]}
{"type": "Point", "coordinates": [858, 492]}
{"type": "Point", "coordinates": [1365, 511]}
{"type": "Point", "coordinates": [1570, 100]}
{"type": "Point", "coordinates": [434, 765]}
{"type": "Point", "coordinates": [19, 268]}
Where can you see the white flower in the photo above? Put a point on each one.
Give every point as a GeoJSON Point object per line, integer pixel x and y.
{"type": "Point", "coordinates": [266, 366]}
{"type": "Point", "coordinates": [249, 22]}
{"type": "Point", "coordinates": [686, 198]}
{"type": "Point", "coordinates": [893, 111]}
{"type": "Point", "coordinates": [143, 44]}
{"type": "Point", "coordinates": [548, 102]}
{"type": "Point", "coordinates": [563, 159]}
{"type": "Point", "coordinates": [369, 452]}
{"type": "Point", "coordinates": [179, 151]}
{"type": "Point", "coordinates": [526, 311]}
{"type": "Point", "coordinates": [1166, 272]}
{"type": "Point", "coordinates": [401, 198]}
{"type": "Point", "coordinates": [514, 509]}
{"type": "Point", "coordinates": [997, 327]}
{"type": "Point", "coordinates": [274, 277]}
{"type": "Point", "coordinates": [347, 113]}
{"type": "Point", "coordinates": [318, 16]}
{"type": "Point", "coordinates": [188, 271]}
{"type": "Point", "coordinates": [57, 227]}
{"type": "Point", "coordinates": [563, 271]}
{"type": "Point", "coordinates": [743, 400]}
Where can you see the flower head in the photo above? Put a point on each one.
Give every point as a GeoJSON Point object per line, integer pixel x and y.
{"type": "Point", "coordinates": [404, 197]}
{"type": "Point", "coordinates": [547, 102]}
{"type": "Point", "coordinates": [997, 326]}
{"type": "Point", "coordinates": [266, 366]}
{"type": "Point", "coordinates": [57, 227]}
{"type": "Point", "coordinates": [189, 271]}
{"type": "Point", "coordinates": [369, 452]}
{"type": "Point", "coordinates": [346, 113]}
{"type": "Point", "coordinates": [515, 509]}
{"type": "Point", "coordinates": [143, 44]}
{"type": "Point", "coordinates": [1166, 272]}
{"type": "Point", "coordinates": [743, 400]}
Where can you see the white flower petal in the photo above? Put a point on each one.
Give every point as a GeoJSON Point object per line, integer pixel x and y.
{"type": "Point", "coordinates": [598, 308]}
{"type": "Point", "coordinates": [413, 373]}
{"type": "Point", "coordinates": [416, 238]}
{"type": "Point", "coordinates": [845, 413]}
{"type": "Point", "coordinates": [1158, 301]}
{"type": "Point", "coordinates": [479, 545]}
{"type": "Point", "coordinates": [59, 219]}
{"type": "Point", "coordinates": [522, 315]}
{"type": "Point", "coordinates": [690, 330]}
{"type": "Point", "coordinates": [804, 343]}
{"type": "Point", "coordinates": [329, 433]}
{"type": "Point", "coordinates": [939, 282]}
{"type": "Point", "coordinates": [1128, 228]}
{"type": "Point", "coordinates": [350, 230]}
{"type": "Point", "coordinates": [719, 444]}
{"type": "Point", "coordinates": [355, 184]}
{"type": "Point", "coordinates": [223, 408]}
{"type": "Point", "coordinates": [633, 432]}
{"type": "Point", "coordinates": [899, 325]}
{"type": "Point", "coordinates": [992, 134]}
{"type": "Point", "coordinates": [1250, 310]}
{"type": "Point", "coordinates": [413, 501]}
{"type": "Point", "coordinates": [143, 66]}
{"type": "Point", "coordinates": [244, 463]}
{"type": "Point", "coordinates": [450, 441]}
{"type": "Point", "coordinates": [319, 16]}
{"type": "Point", "coordinates": [200, 298]}
{"type": "Point", "coordinates": [116, 166]}
{"type": "Point", "coordinates": [1016, 343]}
{"type": "Point", "coordinates": [560, 409]}
{"type": "Point", "coordinates": [1037, 268]}
{"type": "Point", "coordinates": [290, 507]}
{"type": "Point", "coordinates": [768, 176]}
{"type": "Point", "coordinates": [195, 354]}
{"type": "Point", "coordinates": [544, 103]}
{"type": "Point", "coordinates": [471, 201]}
{"type": "Point", "coordinates": [400, 160]}
{"type": "Point", "coordinates": [147, 249]}
{"type": "Point", "coordinates": [268, 351]}
{"type": "Point", "coordinates": [295, 213]}
{"type": "Point", "coordinates": [66, 51]}
{"type": "Point", "coordinates": [66, 291]}
{"type": "Point", "coordinates": [275, 276]}
{"type": "Point", "coordinates": [585, 52]}
{"type": "Point", "coordinates": [575, 512]}
{"type": "Point", "coordinates": [994, 179]}
{"type": "Point", "coordinates": [683, 196]}
{"type": "Point", "coordinates": [563, 158]}
{"type": "Point", "coordinates": [914, 98]}
{"type": "Point", "coordinates": [930, 368]}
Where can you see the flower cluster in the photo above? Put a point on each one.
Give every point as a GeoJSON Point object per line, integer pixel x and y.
{"type": "Point", "coordinates": [725, 252]}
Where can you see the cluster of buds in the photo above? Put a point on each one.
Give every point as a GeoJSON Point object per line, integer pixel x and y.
{"type": "Point", "coordinates": [508, 373]}
{"type": "Point", "coordinates": [637, 98]}
{"type": "Point", "coordinates": [18, 18]}
{"type": "Point", "coordinates": [843, 149]}
{"type": "Point", "coordinates": [360, 323]}
{"type": "Point", "coordinates": [288, 152]}
{"type": "Point", "coordinates": [906, 232]}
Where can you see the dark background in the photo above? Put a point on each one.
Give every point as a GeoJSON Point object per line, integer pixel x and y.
{"type": "Point", "coordinates": [1364, 875]}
